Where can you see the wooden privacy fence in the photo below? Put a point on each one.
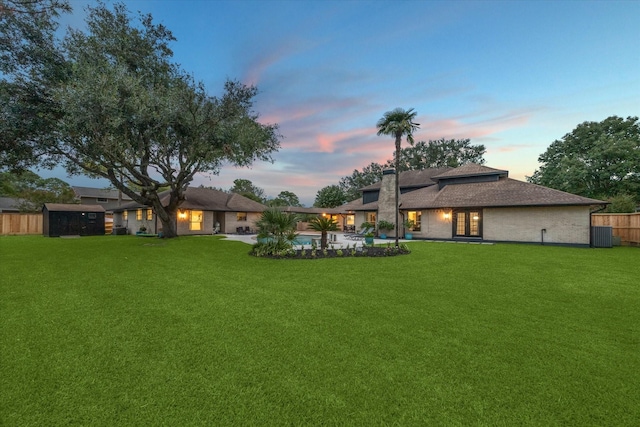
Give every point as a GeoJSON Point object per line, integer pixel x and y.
{"type": "Point", "coordinates": [626, 226]}
{"type": "Point", "coordinates": [17, 223]}
{"type": "Point", "coordinates": [20, 223]}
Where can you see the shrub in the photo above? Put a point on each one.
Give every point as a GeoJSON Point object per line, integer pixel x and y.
{"type": "Point", "coordinates": [385, 225]}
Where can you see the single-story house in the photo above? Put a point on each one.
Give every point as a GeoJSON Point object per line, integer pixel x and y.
{"type": "Point", "coordinates": [476, 203]}
{"type": "Point", "coordinates": [204, 211]}
{"type": "Point", "coordinates": [10, 205]}
{"type": "Point", "coordinates": [59, 219]}
{"type": "Point", "coordinates": [107, 198]}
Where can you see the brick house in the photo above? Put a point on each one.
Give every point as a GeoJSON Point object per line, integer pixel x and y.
{"type": "Point", "coordinates": [477, 203]}
{"type": "Point", "coordinates": [204, 211]}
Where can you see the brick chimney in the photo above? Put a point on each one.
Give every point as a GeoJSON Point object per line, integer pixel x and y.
{"type": "Point", "coordinates": [387, 199]}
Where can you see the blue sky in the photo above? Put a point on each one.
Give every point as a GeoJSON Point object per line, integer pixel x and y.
{"type": "Point", "coordinates": [512, 75]}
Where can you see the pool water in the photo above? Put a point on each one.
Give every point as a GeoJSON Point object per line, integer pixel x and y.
{"type": "Point", "coordinates": [305, 239]}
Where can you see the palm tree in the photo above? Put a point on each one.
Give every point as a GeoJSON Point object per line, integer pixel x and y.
{"type": "Point", "coordinates": [278, 227]}
{"type": "Point", "coordinates": [323, 225]}
{"type": "Point", "coordinates": [398, 123]}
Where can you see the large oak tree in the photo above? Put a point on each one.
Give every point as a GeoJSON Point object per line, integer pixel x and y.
{"type": "Point", "coordinates": [124, 111]}
{"type": "Point", "coordinates": [31, 64]}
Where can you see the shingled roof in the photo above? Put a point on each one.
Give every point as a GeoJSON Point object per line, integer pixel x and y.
{"type": "Point", "coordinates": [98, 193]}
{"type": "Point", "coordinates": [470, 169]}
{"type": "Point", "coordinates": [207, 199]}
{"type": "Point", "coordinates": [505, 192]}
{"type": "Point", "coordinates": [410, 179]}
{"type": "Point", "coordinates": [64, 207]}
{"type": "Point", "coordinates": [502, 192]}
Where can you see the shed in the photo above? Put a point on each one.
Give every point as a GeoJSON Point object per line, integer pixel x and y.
{"type": "Point", "coordinates": [72, 220]}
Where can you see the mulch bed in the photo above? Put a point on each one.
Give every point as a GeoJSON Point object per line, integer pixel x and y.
{"type": "Point", "coordinates": [367, 251]}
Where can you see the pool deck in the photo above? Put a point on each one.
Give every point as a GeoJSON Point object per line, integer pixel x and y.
{"type": "Point", "coordinates": [340, 242]}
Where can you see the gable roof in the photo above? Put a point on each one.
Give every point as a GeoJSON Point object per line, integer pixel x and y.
{"type": "Point", "coordinates": [10, 204]}
{"type": "Point", "coordinates": [67, 207]}
{"type": "Point", "coordinates": [501, 192]}
{"type": "Point", "coordinates": [505, 192]}
{"type": "Point", "coordinates": [206, 199]}
{"type": "Point", "coordinates": [98, 193]}
{"type": "Point", "coordinates": [470, 169]}
{"type": "Point", "coordinates": [415, 178]}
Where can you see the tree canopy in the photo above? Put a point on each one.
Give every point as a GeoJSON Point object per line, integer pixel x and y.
{"type": "Point", "coordinates": [440, 153]}
{"type": "Point", "coordinates": [124, 111]}
{"type": "Point", "coordinates": [245, 187]}
{"type": "Point", "coordinates": [31, 64]}
{"type": "Point", "coordinates": [370, 174]}
{"type": "Point", "coordinates": [597, 159]}
{"type": "Point", "coordinates": [32, 191]}
{"type": "Point", "coordinates": [330, 197]}
{"type": "Point", "coordinates": [285, 198]}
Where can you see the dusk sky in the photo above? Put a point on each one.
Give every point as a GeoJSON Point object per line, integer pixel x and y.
{"type": "Point", "coordinates": [512, 75]}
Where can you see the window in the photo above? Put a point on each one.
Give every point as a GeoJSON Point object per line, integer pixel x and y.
{"type": "Point", "coordinates": [149, 214]}
{"type": "Point", "coordinates": [102, 200]}
{"type": "Point", "coordinates": [416, 217]}
{"type": "Point", "coordinates": [467, 223]}
{"type": "Point", "coordinates": [125, 215]}
{"type": "Point", "coordinates": [241, 216]}
{"type": "Point", "coordinates": [91, 215]}
{"type": "Point", "coordinates": [371, 218]}
{"type": "Point", "coordinates": [195, 221]}
{"type": "Point", "coordinates": [139, 214]}
{"type": "Point", "coordinates": [351, 219]}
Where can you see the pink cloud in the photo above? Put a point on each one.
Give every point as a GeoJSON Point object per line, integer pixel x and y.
{"type": "Point", "coordinates": [327, 142]}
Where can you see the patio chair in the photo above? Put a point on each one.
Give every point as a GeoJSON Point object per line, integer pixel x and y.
{"type": "Point", "coordinates": [239, 230]}
{"type": "Point", "coordinates": [359, 235]}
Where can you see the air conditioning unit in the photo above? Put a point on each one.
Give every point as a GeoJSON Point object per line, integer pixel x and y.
{"type": "Point", "coordinates": [602, 236]}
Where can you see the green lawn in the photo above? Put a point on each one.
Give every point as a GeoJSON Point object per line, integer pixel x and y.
{"type": "Point", "coordinates": [119, 330]}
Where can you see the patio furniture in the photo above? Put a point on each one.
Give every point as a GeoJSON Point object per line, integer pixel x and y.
{"type": "Point", "coordinates": [359, 235]}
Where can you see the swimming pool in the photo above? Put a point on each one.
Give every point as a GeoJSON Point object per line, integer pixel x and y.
{"type": "Point", "coordinates": [302, 239]}
{"type": "Point", "coordinates": [305, 239]}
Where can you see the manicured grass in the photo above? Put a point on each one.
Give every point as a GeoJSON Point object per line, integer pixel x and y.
{"type": "Point", "coordinates": [118, 330]}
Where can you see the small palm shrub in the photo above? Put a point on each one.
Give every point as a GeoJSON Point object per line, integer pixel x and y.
{"type": "Point", "coordinates": [323, 225]}
{"type": "Point", "coordinates": [276, 233]}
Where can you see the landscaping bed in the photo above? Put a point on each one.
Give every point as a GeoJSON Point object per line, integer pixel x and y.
{"type": "Point", "coordinates": [364, 251]}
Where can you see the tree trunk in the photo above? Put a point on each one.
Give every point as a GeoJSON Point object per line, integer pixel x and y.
{"type": "Point", "coordinates": [398, 140]}
{"type": "Point", "coordinates": [323, 240]}
{"type": "Point", "coordinates": [168, 220]}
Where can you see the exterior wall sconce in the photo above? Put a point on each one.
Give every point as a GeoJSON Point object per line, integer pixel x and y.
{"type": "Point", "coordinates": [182, 214]}
{"type": "Point", "coordinates": [447, 215]}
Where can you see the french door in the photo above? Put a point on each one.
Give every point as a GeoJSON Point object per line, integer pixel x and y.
{"type": "Point", "coordinates": [467, 223]}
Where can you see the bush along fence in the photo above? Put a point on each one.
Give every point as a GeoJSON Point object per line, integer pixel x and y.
{"type": "Point", "coordinates": [625, 226]}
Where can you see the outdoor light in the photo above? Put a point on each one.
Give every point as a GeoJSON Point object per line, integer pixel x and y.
{"type": "Point", "coordinates": [182, 214]}
{"type": "Point", "coordinates": [446, 215]}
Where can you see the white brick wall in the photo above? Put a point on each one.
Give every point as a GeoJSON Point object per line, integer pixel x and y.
{"type": "Point", "coordinates": [563, 224]}
{"type": "Point", "coordinates": [434, 225]}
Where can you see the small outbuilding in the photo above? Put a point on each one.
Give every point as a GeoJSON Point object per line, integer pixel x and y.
{"type": "Point", "coordinates": [72, 220]}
